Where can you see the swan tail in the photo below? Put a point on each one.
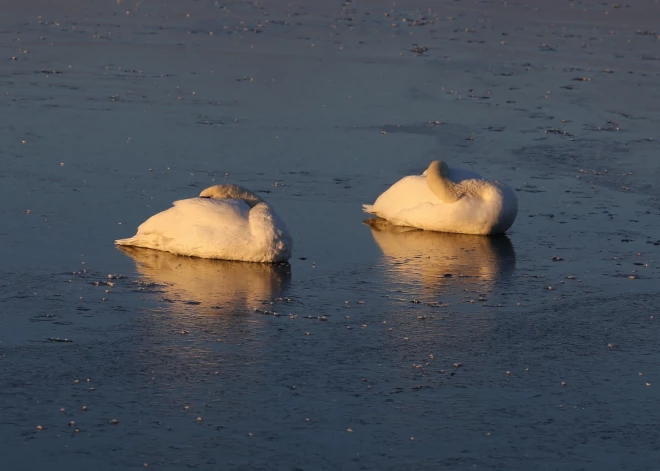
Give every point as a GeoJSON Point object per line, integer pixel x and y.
{"type": "Point", "coordinates": [368, 208]}
{"type": "Point", "coordinates": [129, 241]}
{"type": "Point", "coordinates": [139, 240]}
{"type": "Point", "coordinates": [148, 240]}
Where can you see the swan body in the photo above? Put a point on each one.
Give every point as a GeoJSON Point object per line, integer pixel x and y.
{"type": "Point", "coordinates": [226, 222]}
{"type": "Point", "coordinates": [448, 200]}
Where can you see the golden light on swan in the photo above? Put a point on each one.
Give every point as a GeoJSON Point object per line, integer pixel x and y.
{"type": "Point", "coordinates": [447, 199]}
{"type": "Point", "coordinates": [226, 222]}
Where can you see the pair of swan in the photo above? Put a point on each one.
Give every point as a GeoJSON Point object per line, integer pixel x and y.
{"type": "Point", "coordinates": [232, 223]}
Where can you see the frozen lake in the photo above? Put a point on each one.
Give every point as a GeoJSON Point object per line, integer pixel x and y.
{"type": "Point", "coordinates": [373, 349]}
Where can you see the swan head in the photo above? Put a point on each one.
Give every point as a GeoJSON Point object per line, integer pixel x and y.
{"type": "Point", "coordinates": [231, 191]}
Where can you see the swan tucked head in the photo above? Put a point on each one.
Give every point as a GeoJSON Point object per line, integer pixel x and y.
{"type": "Point", "coordinates": [231, 191]}
{"type": "Point", "coordinates": [438, 167]}
{"type": "Point", "coordinates": [437, 177]}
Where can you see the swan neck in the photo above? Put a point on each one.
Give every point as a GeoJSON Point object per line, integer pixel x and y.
{"type": "Point", "coordinates": [438, 180]}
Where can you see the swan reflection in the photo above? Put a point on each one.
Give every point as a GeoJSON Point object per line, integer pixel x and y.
{"type": "Point", "coordinates": [435, 258]}
{"type": "Point", "coordinates": [209, 285]}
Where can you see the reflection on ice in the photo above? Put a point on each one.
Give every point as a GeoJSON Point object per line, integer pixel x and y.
{"type": "Point", "coordinates": [433, 258]}
{"type": "Point", "coordinates": [210, 285]}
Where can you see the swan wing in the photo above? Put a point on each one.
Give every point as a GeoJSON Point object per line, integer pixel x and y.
{"type": "Point", "coordinates": [194, 224]}
{"type": "Point", "coordinates": [207, 214]}
{"type": "Point", "coordinates": [407, 193]}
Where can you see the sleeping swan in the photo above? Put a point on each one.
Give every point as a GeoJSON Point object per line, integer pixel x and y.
{"type": "Point", "coordinates": [448, 200]}
{"type": "Point", "coordinates": [226, 222]}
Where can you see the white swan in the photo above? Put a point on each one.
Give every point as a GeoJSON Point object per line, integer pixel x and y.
{"type": "Point", "coordinates": [448, 200]}
{"type": "Point", "coordinates": [226, 222]}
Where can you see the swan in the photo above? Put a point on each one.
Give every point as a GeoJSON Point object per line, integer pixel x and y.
{"type": "Point", "coordinates": [226, 222]}
{"type": "Point", "coordinates": [448, 200]}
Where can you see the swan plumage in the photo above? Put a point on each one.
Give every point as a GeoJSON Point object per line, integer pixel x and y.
{"type": "Point", "coordinates": [225, 222]}
{"type": "Point", "coordinates": [448, 199]}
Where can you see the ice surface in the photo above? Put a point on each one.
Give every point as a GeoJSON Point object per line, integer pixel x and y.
{"type": "Point", "coordinates": [537, 351]}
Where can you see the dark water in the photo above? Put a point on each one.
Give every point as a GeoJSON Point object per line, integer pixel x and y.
{"type": "Point", "coordinates": [374, 349]}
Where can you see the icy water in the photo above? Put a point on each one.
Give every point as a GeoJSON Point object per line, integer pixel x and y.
{"type": "Point", "coordinates": [375, 349]}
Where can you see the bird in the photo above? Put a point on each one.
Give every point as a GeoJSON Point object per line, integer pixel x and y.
{"type": "Point", "coordinates": [226, 222]}
{"type": "Point", "coordinates": [448, 199]}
